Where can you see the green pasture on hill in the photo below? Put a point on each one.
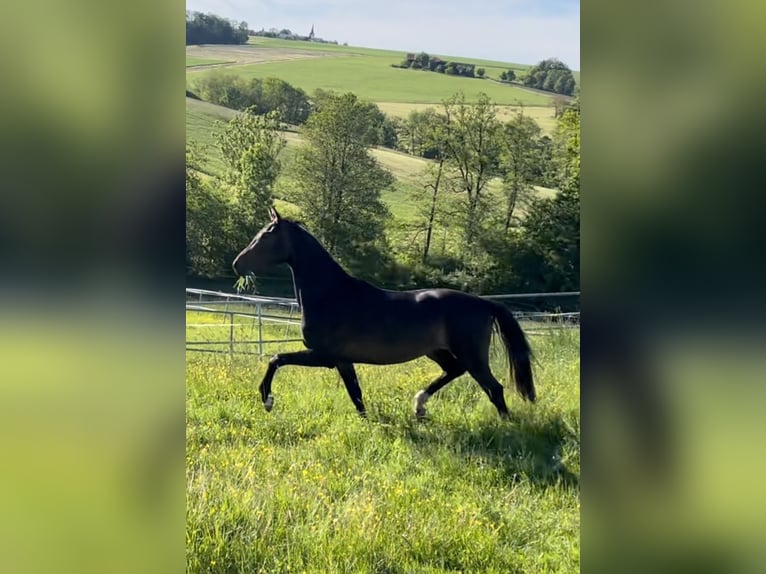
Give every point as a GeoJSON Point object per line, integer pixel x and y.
{"type": "Point", "coordinates": [200, 122]}
{"type": "Point", "coordinates": [395, 56]}
{"type": "Point", "coordinates": [312, 487]}
{"type": "Point", "coordinates": [192, 61]}
{"type": "Point", "coordinates": [493, 67]}
{"type": "Point", "coordinates": [364, 71]}
{"type": "Point", "coordinates": [375, 80]}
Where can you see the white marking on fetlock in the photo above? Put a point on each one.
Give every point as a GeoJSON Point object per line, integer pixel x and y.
{"type": "Point", "coordinates": [420, 403]}
{"type": "Point", "coordinates": [268, 404]}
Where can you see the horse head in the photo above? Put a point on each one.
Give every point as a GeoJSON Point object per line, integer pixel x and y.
{"type": "Point", "coordinates": [269, 247]}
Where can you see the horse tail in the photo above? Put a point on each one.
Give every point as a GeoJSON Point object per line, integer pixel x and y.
{"type": "Point", "coordinates": [518, 350]}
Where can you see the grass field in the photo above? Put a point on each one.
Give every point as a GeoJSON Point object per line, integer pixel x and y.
{"type": "Point", "coordinates": [311, 487]}
{"type": "Point", "coordinates": [364, 71]}
{"type": "Point", "coordinates": [375, 80]}
{"type": "Point", "coordinates": [200, 122]}
{"type": "Point", "coordinates": [543, 115]}
{"type": "Point", "coordinates": [493, 67]}
{"type": "Point", "coordinates": [391, 56]}
{"type": "Point", "coordinates": [192, 61]}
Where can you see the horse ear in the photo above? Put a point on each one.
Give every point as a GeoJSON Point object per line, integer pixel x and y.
{"type": "Point", "coordinates": [274, 215]}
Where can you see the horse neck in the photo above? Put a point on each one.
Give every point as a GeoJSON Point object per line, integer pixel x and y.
{"type": "Point", "coordinates": [315, 272]}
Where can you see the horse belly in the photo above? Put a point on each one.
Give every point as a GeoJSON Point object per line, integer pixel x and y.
{"type": "Point", "coordinates": [386, 348]}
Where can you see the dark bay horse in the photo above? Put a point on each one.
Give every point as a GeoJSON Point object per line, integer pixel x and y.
{"type": "Point", "coordinates": [346, 320]}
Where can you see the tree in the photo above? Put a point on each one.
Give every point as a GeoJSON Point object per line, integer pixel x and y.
{"type": "Point", "coordinates": [559, 105]}
{"type": "Point", "coordinates": [472, 150]}
{"type": "Point", "coordinates": [519, 161]}
{"type": "Point", "coordinates": [414, 135]}
{"type": "Point", "coordinates": [551, 75]}
{"type": "Point", "coordinates": [206, 221]}
{"type": "Point", "coordinates": [566, 144]}
{"type": "Point", "coordinates": [432, 135]}
{"type": "Point", "coordinates": [262, 95]}
{"type": "Point", "coordinates": [377, 129]}
{"type": "Point", "coordinates": [480, 72]}
{"type": "Point", "coordinates": [212, 29]}
{"type": "Point", "coordinates": [340, 183]}
{"type": "Point", "coordinates": [250, 145]}
{"type": "Point", "coordinates": [548, 253]}
{"type": "Point", "coordinates": [276, 94]}
{"type": "Point", "coordinates": [227, 90]}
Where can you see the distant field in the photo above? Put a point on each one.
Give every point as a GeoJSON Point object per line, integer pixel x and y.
{"type": "Point", "coordinates": [242, 55]}
{"type": "Point", "coordinates": [493, 67]}
{"type": "Point", "coordinates": [392, 56]}
{"type": "Point", "coordinates": [368, 73]}
{"type": "Point", "coordinates": [365, 71]}
{"type": "Point", "coordinates": [193, 61]}
{"type": "Point", "coordinates": [200, 119]}
{"type": "Point", "coordinates": [543, 115]}
{"type": "Point", "coordinates": [381, 82]}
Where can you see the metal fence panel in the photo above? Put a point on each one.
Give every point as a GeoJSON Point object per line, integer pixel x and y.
{"type": "Point", "coordinates": [230, 323]}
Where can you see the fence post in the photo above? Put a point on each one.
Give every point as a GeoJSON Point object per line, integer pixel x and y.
{"type": "Point", "coordinates": [260, 330]}
{"type": "Point", "coordinates": [231, 335]}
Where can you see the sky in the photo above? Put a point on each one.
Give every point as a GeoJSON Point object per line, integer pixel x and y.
{"type": "Point", "coordinates": [516, 31]}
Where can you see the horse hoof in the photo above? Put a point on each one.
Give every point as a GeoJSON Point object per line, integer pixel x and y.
{"type": "Point", "coordinates": [268, 404]}
{"type": "Point", "coordinates": [420, 404]}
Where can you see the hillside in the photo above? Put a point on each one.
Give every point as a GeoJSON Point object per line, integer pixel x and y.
{"type": "Point", "coordinates": [365, 71]}
{"type": "Point", "coordinates": [408, 170]}
{"type": "Point", "coordinates": [368, 73]}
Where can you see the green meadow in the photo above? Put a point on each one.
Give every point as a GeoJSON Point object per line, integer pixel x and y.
{"type": "Point", "coordinates": [192, 61]}
{"type": "Point", "coordinates": [391, 56]}
{"type": "Point", "coordinates": [373, 78]}
{"type": "Point", "coordinates": [312, 487]}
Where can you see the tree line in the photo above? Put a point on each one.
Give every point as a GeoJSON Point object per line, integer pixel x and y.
{"type": "Point", "coordinates": [287, 34]}
{"type": "Point", "coordinates": [478, 196]}
{"type": "Point", "coordinates": [426, 62]}
{"type": "Point", "coordinates": [211, 29]}
{"type": "Point", "coordinates": [550, 75]}
{"type": "Point", "coordinates": [293, 104]}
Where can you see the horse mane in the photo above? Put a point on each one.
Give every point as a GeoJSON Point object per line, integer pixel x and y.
{"type": "Point", "coordinates": [312, 239]}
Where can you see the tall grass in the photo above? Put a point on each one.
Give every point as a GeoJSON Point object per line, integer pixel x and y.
{"type": "Point", "coordinates": [312, 487]}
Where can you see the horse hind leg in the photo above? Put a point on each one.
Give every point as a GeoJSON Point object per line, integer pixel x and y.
{"type": "Point", "coordinates": [475, 357]}
{"type": "Point", "coordinates": [452, 370]}
{"type": "Point", "coordinates": [493, 388]}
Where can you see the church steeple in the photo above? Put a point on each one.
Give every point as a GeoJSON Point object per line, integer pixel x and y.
{"type": "Point", "coordinates": [311, 34]}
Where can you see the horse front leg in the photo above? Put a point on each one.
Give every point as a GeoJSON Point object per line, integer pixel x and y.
{"type": "Point", "coordinates": [307, 358]}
